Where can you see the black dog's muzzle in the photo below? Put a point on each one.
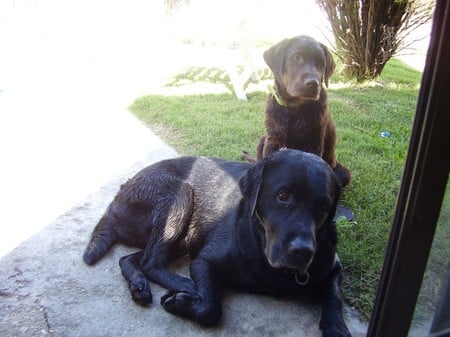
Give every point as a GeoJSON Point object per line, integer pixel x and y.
{"type": "Point", "coordinates": [295, 258]}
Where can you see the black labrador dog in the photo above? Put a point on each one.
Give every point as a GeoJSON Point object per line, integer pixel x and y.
{"type": "Point", "coordinates": [265, 227]}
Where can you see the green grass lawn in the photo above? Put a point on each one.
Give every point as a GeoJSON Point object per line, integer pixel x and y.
{"type": "Point", "coordinates": [220, 125]}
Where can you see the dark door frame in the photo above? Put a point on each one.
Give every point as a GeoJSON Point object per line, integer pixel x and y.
{"type": "Point", "coordinates": [421, 191]}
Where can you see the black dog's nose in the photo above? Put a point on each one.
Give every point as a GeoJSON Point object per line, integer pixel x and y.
{"type": "Point", "coordinates": [301, 248]}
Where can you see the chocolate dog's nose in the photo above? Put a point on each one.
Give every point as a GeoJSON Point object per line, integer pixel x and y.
{"type": "Point", "coordinates": [312, 83]}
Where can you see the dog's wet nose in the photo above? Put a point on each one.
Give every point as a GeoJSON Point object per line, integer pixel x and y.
{"type": "Point", "coordinates": [301, 248]}
{"type": "Point", "coordinates": [312, 83]}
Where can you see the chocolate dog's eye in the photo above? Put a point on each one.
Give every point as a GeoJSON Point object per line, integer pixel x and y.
{"type": "Point", "coordinates": [283, 195]}
{"type": "Point", "coordinates": [297, 58]}
{"type": "Point", "coordinates": [320, 63]}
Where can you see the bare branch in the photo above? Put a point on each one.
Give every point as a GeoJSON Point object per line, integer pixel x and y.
{"type": "Point", "coordinates": [369, 32]}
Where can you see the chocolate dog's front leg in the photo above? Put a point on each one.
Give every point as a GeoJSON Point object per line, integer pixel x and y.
{"type": "Point", "coordinates": [268, 145]}
{"type": "Point", "coordinates": [332, 321]}
{"type": "Point", "coordinates": [272, 144]}
{"type": "Point", "coordinates": [329, 144]}
{"type": "Point", "coordinates": [204, 305]}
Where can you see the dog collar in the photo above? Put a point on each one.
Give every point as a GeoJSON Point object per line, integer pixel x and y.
{"type": "Point", "coordinates": [301, 279]}
{"type": "Point", "coordinates": [281, 101]}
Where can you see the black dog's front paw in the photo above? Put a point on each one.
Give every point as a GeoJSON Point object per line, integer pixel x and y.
{"type": "Point", "coordinates": [185, 285]}
{"type": "Point", "coordinates": [179, 302]}
{"type": "Point", "coordinates": [338, 331]}
{"type": "Point", "coordinates": [140, 291]}
{"type": "Point", "coordinates": [190, 306]}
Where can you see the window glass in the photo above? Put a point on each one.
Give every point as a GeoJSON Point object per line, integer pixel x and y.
{"type": "Point", "coordinates": [432, 312]}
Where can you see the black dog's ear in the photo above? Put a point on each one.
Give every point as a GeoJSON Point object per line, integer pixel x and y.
{"type": "Point", "coordinates": [250, 184]}
{"type": "Point", "coordinates": [274, 57]}
{"type": "Point", "coordinates": [336, 188]}
{"type": "Point", "coordinates": [329, 64]}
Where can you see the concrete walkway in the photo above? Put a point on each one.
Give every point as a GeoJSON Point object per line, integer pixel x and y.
{"type": "Point", "coordinates": [67, 142]}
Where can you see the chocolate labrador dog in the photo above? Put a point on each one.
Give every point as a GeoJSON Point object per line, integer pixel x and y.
{"type": "Point", "coordinates": [296, 113]}
{"type": "Point", "coordinates": [263, 228]}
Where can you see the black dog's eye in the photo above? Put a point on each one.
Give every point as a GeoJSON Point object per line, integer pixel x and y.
{"type": "Point", "coordinates": [283, 195]}
{"type": "Point", "coordinates": [323, 210]}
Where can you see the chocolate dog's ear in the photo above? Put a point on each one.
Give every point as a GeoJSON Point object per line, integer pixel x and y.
{"type": "Point", "coordinates": [274, 57]}
{"type": "Point", "coordinates": [329, 64]}
{"type": "Point", "coordinates": [250, 184]}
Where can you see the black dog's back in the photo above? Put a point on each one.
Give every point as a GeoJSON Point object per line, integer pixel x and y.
{"type": "Point", "coordinates": [167, 191]}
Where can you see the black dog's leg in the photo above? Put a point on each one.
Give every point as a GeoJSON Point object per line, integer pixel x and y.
{"type": "Point", "coordinates": [171, 221]}
{"type": "Point", "coordinates": [153, 265]}
{"type": "Point", "coordinates": [332, 321]}
{"type": "Point", "coordinates": [137, 283]}
{"type": "Point", "coordinates": [204, 305]}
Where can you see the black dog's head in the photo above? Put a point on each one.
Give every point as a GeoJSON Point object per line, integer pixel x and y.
{"type": "Point", "coordinates": [292, 194]}
{"type": "Point", "coordinates": [300, 65]}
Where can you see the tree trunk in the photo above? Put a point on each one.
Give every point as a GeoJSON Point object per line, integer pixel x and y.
{"type": "Point", "coordinates": [368, 32]}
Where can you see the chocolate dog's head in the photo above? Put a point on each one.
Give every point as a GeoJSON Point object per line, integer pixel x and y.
{"type": "Point", "coordinates": [292, 195]}
{"type": "Point", "coordinates": [300, 65]}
